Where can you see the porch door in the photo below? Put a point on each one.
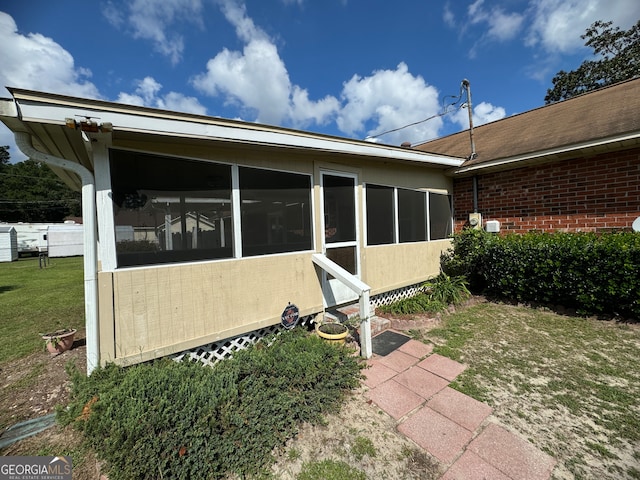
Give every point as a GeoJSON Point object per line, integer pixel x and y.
{"type": "Point", "coordinates": [340, 233]}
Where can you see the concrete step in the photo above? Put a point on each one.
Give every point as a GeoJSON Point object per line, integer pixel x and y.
{"type": "Point", "coordinates": [379, 324]}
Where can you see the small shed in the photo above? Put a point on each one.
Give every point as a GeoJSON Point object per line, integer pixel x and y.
{"type": "Point", "coordinates": [8, 244]}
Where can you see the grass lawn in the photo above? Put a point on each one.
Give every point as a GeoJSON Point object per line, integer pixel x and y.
{"type": "Point", "coordinates": [571, 385]}
{"type": "Point", "coordinates": [37, 301]}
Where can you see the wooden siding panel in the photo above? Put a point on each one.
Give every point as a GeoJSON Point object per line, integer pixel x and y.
{"type": "Point", "coordinates": [387, 267]}
{"type": "Point", "coordinates": [170, 308]}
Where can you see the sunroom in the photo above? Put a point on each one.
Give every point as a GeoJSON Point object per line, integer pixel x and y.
{"type": "Point", "coordinates": [200, 229]}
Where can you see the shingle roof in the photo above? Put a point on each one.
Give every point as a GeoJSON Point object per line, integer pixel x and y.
{"type": "Point", "coordinates": [610, 113]}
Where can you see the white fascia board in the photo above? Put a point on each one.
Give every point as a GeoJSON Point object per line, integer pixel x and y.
{"type": "Point", "coordinates": [51, 113]}
{"type": "Point", "coordinates": [8, 108]}
{"type": "Point", "coordinates": [505, 162]}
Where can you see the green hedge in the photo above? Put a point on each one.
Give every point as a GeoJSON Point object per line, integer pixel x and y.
{"type": "Point", "coordinates": [593, 273]}
{"type": "Point", "coordinates": [183, 420]}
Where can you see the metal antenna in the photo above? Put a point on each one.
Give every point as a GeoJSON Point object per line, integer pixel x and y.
{"type": "Point", "coordinates": [467, 86]}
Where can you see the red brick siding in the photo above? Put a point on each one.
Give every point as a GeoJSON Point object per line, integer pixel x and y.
{"type": "Point", "coordinates": [595, 193]}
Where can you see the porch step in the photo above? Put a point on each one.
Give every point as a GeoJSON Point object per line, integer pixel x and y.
{"type": "Point", "coordinates": [379, 324]}
{"type": "Point", "coordinates": [349, 312]}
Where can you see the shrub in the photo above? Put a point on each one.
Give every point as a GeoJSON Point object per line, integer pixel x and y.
{"type": "Point", "coordinates": [593, 273]}
{"type": "Point", "coordinates": [183, 420]}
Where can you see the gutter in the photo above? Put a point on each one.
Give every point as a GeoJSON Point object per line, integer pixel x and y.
{"type": "Point", "coordinates": [24, 143]}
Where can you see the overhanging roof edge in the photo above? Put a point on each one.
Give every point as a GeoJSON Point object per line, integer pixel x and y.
{"type": "Point", "coordinates": [514, 161]}
{"type": "Point", "coordinates": [53, 109]}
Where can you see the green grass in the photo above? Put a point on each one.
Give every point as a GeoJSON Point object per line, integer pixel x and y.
{"type": "Point", "coordinates": [37, 301]}
{"type": "Point", "coordinates": [570, 383]}
{"type": "Point", "coordinates": [330, 470]}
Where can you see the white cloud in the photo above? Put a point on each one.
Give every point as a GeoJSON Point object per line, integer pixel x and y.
{"type": "Point", "coordinates": [557, 24]}
{"type": "Point", "coordinates": [152, 20]}
{"type": "Point", "coordinates": [501, 26]}
{"type": "Point", "coordinates": [448, 16]}
{"type": "Point", "coordinates": [257, 79]}
{"type": "Point", "coordinates": [483, 113]}
{"type": "Point", "coordinates": [389, 99]}
{"type": "Point", "coordinates": [37, 62]}
{"type": "Point", "coordinates": [147, 94]}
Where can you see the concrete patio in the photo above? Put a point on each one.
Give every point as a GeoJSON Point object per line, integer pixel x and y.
{"type": "Point", "coordinates": [411, 385]}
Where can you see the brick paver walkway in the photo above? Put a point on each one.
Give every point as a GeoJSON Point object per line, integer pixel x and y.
{"type": "Point", "coordinates": [411, 385]}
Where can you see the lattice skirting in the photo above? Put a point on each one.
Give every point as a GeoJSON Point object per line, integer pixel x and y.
{"type": "Point", "coordinates": [392, 296]}
{"type": "Point", "coordinates": [212, 353]}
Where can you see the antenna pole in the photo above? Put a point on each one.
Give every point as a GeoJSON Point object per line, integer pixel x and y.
{"type": "Point", "coordinates": [467, 86]}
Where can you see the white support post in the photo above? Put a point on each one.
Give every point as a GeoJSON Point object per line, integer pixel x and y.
{"type": "Point", "coordinates": [366, 349]}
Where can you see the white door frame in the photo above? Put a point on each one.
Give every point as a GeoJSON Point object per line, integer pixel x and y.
{"type": "Point", "coordinates": [334, 291]}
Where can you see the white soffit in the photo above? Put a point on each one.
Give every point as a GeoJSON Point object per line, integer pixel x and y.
{"type": "Point", "coordinates": [42, 108]}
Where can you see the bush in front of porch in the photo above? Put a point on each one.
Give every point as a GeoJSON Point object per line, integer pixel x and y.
{"type": "Point", "coordinates": [182, 420]}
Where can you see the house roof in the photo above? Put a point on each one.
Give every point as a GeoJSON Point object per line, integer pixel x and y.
{"type": "Point", "coordinates": [603, 120]}
{"type": "Point", "coordinates": [44, 116]}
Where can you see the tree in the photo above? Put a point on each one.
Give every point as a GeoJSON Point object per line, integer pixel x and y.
{"type": "Point", "coordinates": [4, 157]}
{"type": "Point", "coordinates": [618, 59]}
{"type": "Point", "coordinates": [31, 192]}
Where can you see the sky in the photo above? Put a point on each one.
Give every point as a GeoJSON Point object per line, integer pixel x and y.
{"type": "Point", "coordinates": [351, 68]}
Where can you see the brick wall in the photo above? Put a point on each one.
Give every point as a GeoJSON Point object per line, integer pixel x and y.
{"type": "Point", "coordinates": [596, 193]}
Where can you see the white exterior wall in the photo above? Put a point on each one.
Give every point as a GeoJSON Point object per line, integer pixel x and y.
{"type": "Point", "coordinates": [8, 244]}
{"type": "Point", "coordinates": [65, 240]}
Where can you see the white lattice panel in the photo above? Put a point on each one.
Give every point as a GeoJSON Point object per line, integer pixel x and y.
{"type": "Point", "coordinates": [392, 296]}
{"type": "Point", "coordinates": [212, 353]}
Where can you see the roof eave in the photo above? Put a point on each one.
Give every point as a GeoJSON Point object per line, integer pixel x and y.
{"type": "Point", "coordinates": [52, 109]}
{"type": "Point", "coordinates": [555, 154]}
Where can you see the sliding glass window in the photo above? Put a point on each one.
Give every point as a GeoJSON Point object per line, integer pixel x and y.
{"type": "Point", "coordinates": [275, 209]}
{"type": "Point", "coordinates": [170, 210]}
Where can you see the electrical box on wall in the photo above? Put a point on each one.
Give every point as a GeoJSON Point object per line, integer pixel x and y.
{"type": "Point", "coordinates": [475, 220]}
{"type": "Point", "coordinates": [493, 226]}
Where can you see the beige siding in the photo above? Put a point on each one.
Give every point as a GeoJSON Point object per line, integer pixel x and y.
{"type": "Point", "coordinates": [165, 309]}
{"type": "Point", "coordinates": [386, 267]}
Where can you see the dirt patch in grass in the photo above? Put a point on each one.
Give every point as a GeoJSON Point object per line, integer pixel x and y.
{"type": "Point", "coordinates": [340, 438]}
{"type": "Point", "coordinates": [32, 387]}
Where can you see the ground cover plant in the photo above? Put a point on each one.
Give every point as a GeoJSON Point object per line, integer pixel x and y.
{"type": "Point", "coordinates": [182, 420]}
{"type": "Point", "coordinates": [568, 384]}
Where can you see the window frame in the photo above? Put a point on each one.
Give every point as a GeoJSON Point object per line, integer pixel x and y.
{"type": "Point", "coordinates": [235, 203]}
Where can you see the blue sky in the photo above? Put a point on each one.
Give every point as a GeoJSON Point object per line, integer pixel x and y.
{"type": "Point", "coordinates": [351, 68]}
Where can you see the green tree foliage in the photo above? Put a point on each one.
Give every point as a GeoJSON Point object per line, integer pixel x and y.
{"type": "Point", "coordinates": [617, 55]}
{"type": "Point", "coordinates": [31, 192]}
